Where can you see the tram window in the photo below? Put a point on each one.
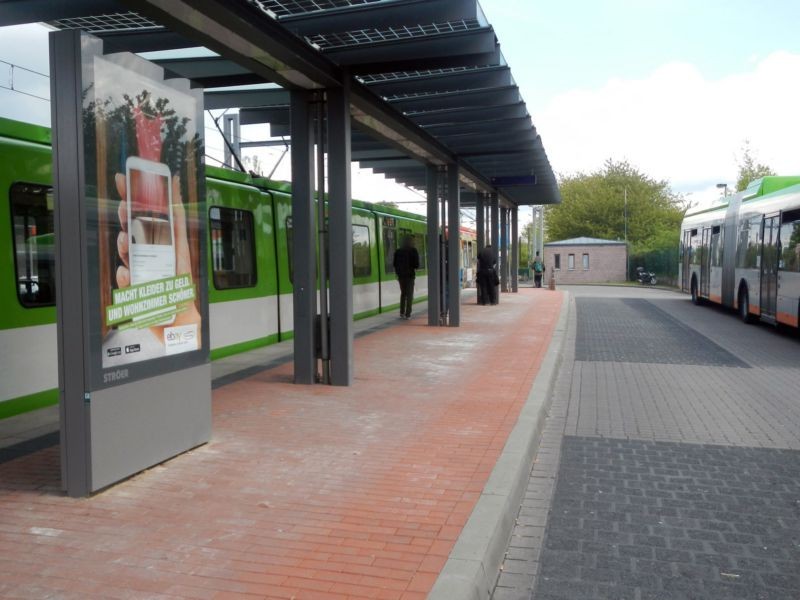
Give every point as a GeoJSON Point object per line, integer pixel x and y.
{"type": "Point", "coordinates": [389, 246]}
{"type": "Point", "coordinates": [290, 247]}
{"type": "Point", "coordinates": [419, 244]}
{"type": "Point", "coordinates": [362, 265]}
{"type": "Point", "coordinates": [34, 252]}
{"type": "Point", "coordinates": [233, 248]}
{"type": "Point", "coordinates": [790, 243]}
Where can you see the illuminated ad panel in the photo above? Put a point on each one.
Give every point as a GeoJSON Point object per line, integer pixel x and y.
{"type": "Point", "coordinates": [143, 150]}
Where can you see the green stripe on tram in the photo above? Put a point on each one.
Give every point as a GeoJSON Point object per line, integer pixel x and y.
{"type": "Point", "coordinates": [226, 351]}
{"type": "Point", "coordinates": [24, 404]}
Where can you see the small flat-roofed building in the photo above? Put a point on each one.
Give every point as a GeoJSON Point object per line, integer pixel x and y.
{"type": "Point", "coordinates": [585, 260]}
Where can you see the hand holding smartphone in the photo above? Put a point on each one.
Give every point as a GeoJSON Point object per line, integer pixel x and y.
{"type": "Point", "coordinates": [151, 240]}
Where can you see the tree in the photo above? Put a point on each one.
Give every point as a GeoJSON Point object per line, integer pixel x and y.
{"type": "Point", "coordinates": [387, 203]}
{"type": "Point", "coordinates": [749, 169]}
{"type": "Point", "coordinates": [253, 164]}
{"type": "Point", "coordinates": [594, 205]}
{"type": "Point", "coordinates": [525, 243]}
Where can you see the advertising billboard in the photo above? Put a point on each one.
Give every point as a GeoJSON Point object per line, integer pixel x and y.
{"type": "Point", "coordinates": [144, 218]}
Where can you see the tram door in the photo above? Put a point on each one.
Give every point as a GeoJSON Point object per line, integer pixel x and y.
{"type": "Point", "coordinates": [687, 259]}
{"type": "Point", "coordinates": [770, 252]}
{"type": "Point", "coordinates": [705, 262]}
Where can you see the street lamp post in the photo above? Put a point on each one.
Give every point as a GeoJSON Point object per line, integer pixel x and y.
{"type": "Point", "coordinates": [627, 252]}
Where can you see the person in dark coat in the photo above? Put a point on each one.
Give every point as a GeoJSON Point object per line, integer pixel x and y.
{"type": "Point", "coordinates": [487, 275]}
{"type": "Point", "coordinates": [406, 263]}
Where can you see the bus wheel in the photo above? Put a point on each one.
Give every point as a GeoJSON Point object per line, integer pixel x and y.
{"type": "Point", "coordinates": [744, 307]}
{"type": "Point", "coordinates": [695, 295]}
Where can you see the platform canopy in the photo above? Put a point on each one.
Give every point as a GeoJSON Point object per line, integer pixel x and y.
{"type": "Point", "coordinates": [429, 84]}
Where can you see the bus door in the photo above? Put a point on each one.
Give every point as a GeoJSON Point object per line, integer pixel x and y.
{"type": "Point", "coordinates": [687, 259]}
{"type": "Point", "coordinates": [770, 254]}
{"type": "Point", "coordinates": [705, 262]}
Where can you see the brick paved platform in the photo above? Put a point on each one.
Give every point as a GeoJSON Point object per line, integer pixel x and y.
{"type": "Point", "coordinates": [303, 492]}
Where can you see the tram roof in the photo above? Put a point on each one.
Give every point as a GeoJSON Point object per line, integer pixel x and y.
{"type": "Point", "coordinates": [429, 84]}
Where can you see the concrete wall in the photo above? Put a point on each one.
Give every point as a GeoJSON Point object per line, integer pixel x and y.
{"type": "Point", "coordinates": [606, 263]}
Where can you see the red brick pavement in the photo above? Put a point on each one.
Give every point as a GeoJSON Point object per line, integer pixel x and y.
{"type": "Point", "coordinates": [304, 492]}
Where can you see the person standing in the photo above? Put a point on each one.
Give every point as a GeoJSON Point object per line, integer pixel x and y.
{"type": "Point", "coordinates": [538, 271]}
{"type": "Point", "coordinates": [406, 263]}
{"type": "Point", "coordinates": [487, 276]}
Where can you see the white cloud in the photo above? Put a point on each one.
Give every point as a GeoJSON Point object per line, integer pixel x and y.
{"type": "Point", "coordinates": [679, 126]}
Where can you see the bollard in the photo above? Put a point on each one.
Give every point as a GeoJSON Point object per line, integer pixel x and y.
{"type": "Point", "coordinates": [552, 284]}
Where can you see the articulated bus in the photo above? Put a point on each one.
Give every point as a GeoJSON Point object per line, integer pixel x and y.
{"type": "Point", "coordinates": [744, 252]}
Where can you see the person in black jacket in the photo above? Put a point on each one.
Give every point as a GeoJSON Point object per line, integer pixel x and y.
{"type": "Point", "coordinates": [406, 263]}
{"type": "Point", "coordinates": [487, 276]}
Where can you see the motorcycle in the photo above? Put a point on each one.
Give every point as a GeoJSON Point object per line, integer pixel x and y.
{"type": "Point", "coordinates": [645, 277]}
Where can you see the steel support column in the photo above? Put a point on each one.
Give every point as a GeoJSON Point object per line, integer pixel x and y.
{"type": "Point", "coordinates": [495, 229]}
{"type": "Point", "coordinates": [71, 325]}
{"type": "Point", "coordinates": [340, 235]}
{"type": "Point", "coordinates": [433, 245]}
{"type": "Point", "coordinates": [480, 222]}
{"type": "Point", "coordinates": [303, 237]}
{"type": "Point", "coordinates": [514, 250]}
{"type": "Point", "coordinates": [504, 249]}
{"type": "Point", "coordinates": [453, 246]}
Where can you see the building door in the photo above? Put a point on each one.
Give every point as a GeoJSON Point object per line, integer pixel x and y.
{"type": "Point", "coordinates": [770, 253]}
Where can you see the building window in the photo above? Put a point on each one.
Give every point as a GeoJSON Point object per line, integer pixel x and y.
{"type": "Point", "coordinates": [34, 252]}
{"type": "Point", "coordinates": [556, 262]}
{"type": "Point", "coordinates": [585, 262]}
{"type": "Point", "coordinates": [571, 262]}
{"type": "Point", "coordinates": [233, 248]}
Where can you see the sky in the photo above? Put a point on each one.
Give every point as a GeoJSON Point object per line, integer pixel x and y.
{"type": "Point", "coordinates": [675, 87]}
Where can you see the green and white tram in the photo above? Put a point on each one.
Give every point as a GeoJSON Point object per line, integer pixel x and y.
{"type": "Point", "coordinates": [744, 252]}
{"type": "Point", "coordinates": [250, 266]}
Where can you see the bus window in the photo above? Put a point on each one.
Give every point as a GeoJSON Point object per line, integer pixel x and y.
{"type": "Point", "coordinates": [716, 247]}
{"type": "Point", "coordinates": [694, 245]}
{"type": "Point", "coordinates": [233, 248]}
{"type": "Point", "coordinates": [741, 244]}
{"type": "Point", "coordinates": [751, 260]}
{"type": "Point", "coordinates": [34, 252]}
{"type": "Point", "coordinates": [790, 242]}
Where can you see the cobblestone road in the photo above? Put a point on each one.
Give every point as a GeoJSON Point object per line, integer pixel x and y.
{"type": "Point", "coordinates": [669, 467]}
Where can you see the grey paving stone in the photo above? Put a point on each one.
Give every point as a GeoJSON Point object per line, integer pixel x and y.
{"type": "Point", "coordinates": [684, 555]}
{"type": "Point", "coordinates": [612, 331]}
{"type": "Point", "coordinates": [688, 438]}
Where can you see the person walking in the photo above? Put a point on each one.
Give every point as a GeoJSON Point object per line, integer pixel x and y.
{"type": "Point", "coordinates": [538, 271]}
{"type": "Point", "coordinates": [406, 263]}
{"type": "Point", "coordinates": [487, 276]}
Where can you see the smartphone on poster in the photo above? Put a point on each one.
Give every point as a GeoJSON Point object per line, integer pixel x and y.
{"type": "Point", "coordinates": [151, 237]}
